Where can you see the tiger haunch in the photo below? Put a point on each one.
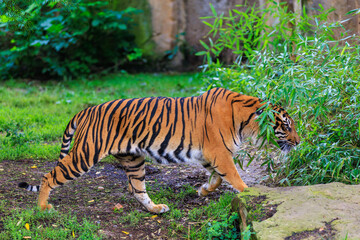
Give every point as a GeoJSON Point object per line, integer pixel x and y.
{"type": "Point", "coordinates": [207, 129]}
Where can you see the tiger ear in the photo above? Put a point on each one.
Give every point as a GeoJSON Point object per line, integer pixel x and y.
{"type": "Point", "coordinates": [258, 112]}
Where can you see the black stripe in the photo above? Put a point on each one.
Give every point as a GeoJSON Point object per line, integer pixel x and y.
{"type": "Point", "coordinates": [165, 142]}
{"type": "Point", "coordinates": [137, 165]}
{"type": "Point", "coordinates": [222, 137]}
{"type": "Point", "coordinates": [206, 165]}
{"type": "Point", "coordinates": [189, 147]}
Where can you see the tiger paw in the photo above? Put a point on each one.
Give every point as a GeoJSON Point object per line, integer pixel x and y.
{"type": "Point", "coordinates": [46, 207]}
{"type": "Point", "coordinates": [243, 187]}
{"type": "Point", "coordinates": [203, 191]}
{"type": "Point", "coordinates": [160, 208]}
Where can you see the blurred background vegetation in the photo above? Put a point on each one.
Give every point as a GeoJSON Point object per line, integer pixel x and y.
{"type": "Point", "coordinates": [47, 39]}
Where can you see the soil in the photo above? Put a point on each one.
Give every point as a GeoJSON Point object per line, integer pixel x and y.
{"type": "Point", "coordinates": [261, 210]}
{"type": "Point", "coordinates": [95, 194]}
{"type": "Point", "coordinates": [319, 233]}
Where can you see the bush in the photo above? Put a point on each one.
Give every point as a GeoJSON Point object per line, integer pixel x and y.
{"type": "Point", "coordinates": [311, 74]}
{"type": "Point", "coordinates": [225, 228]}
{"type": "Point", "coordinates": [46, 39]}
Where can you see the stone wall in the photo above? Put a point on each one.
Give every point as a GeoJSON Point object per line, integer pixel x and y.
{"type": "Point", "coordinates": [159, 29]}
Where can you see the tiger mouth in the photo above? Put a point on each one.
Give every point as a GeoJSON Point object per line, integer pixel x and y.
{"type": "Point", "coordinates": [285, 145]}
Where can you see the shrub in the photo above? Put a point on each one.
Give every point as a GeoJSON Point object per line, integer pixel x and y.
{"type": "Point", "coordinates": [311, 74]}
{"type": "Point", "coordinates": [225, 228]}
{"type": "Point", "coordinates": [44, 38]}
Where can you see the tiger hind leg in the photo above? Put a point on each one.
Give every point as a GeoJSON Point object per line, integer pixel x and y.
{"type": "Point", "coordinates": [134, 167]}
{"type": "Point", "coordinates": [214, 181]}
{"type": "Point", "coordinates": [62, 173]}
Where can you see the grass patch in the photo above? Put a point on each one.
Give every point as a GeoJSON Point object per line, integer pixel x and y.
{"type": "Point", "coordinates": [33, 114]}
{"type": "Point", "coordinates": [133, 218]}
{"type": "Point", "coordinates": [36, 224]}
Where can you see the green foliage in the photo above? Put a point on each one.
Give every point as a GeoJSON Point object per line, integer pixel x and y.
{"type": "Point", "coordinates": [46, 225]}
{"type": "Point", "coordinates": [46, 39]}
{"type": "Point", "coordinates": [247, 233]}
{"type": "Point", "coordinates": [213, 216]}
{"type": "Point", "coordinates": [304, 69]}
{"type": "Point", "coordinates": [225, 228]}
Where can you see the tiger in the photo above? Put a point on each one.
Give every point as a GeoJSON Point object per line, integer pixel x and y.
{"type": "Point", "coordinates": [207, 130]}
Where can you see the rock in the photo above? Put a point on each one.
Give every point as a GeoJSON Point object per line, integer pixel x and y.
{"type": "Point", "coordinates": [331, 211]}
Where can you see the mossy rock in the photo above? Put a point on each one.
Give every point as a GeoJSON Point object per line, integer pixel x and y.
{"type": "Point", "coordinates": [325, 211]}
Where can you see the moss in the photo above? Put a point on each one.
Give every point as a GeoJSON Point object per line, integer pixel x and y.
{"type": "Point", "coordinates": [322, 193]}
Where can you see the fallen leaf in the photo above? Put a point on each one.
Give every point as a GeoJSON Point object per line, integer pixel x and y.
{"type": "Point", "coordinates": [27, 237]}
{"type": "Point", "coordinates": [117, 206]}
{"type": "Point", "coordinates": [27, 226]}
{"type": "Point", "coordinates": [34, 166]}
{"type": "Point", "coordinates": [154, 216]}
{"type": "Point", "coordinates": [73, 234]}
{"type": "Point", "coordinates": [91, 201]}
{"type": "Point", "coordinates": [125, 232]}
{"type": "Point", "coordinates": [158, 221]}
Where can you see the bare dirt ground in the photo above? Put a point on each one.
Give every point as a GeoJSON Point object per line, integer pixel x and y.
{"type": "Point", "coordinates": [95, 194]}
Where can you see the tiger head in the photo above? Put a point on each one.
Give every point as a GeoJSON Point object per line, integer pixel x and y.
{"type": "Point", "coordinates": [284, 128]}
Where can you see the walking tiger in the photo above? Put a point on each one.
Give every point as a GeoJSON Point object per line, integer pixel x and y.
{"type": "Point", "coordinates": [206, 129]}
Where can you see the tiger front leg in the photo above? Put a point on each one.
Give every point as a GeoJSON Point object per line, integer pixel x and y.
{"type": "Point", "coordinates": [223, 164]}
{"type": "Point", "coordinates": [214, 181]}
{"type": "Point", "coordinates": [134, 167]}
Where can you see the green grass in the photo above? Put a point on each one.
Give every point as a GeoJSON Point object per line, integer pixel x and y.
{"type": "Point", "coordinates": [33, 115]}
{"type": "Point", "coordinates": [133, 218]}
{"type": "Point", "coordinates": [46, 225]}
